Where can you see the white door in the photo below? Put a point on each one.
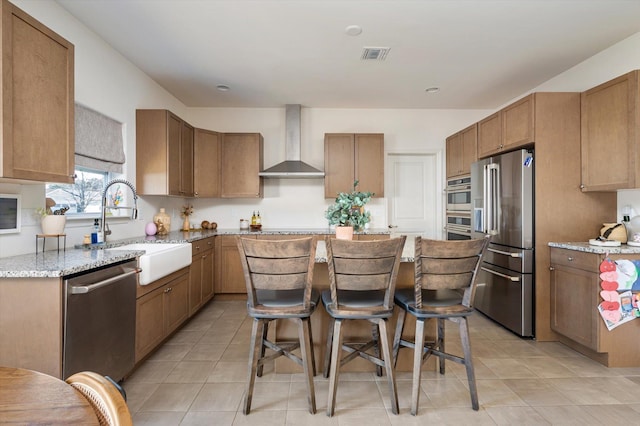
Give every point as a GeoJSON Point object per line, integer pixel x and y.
{"type": "Point", "coordinates": [414, 192]}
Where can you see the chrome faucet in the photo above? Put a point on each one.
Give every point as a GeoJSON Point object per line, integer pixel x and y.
{"type": "Point", "coordinates": [103, 216]}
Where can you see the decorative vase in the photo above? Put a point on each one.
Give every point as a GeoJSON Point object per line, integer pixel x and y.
{"type": "Point", "coordinates": [185, 224]}
{"type": "Point", "coordinates": [344, 232]}
{"type": "Point", "coordinates": [53, 224]}
{"type": "Point", "coordinates": [163, 222]}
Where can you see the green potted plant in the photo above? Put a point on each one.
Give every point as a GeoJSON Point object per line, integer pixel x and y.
{"type": "Point", "coordinates": [348, 213]}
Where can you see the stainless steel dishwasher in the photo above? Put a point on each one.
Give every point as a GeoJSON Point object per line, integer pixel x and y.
{"type": "Point", "coordinates": [100, 321]}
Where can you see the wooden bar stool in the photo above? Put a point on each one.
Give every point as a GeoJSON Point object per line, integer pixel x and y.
{"type": "Point", "coordinates": [362, 278]}
{"type": "Point", "coordinates": [278, 275]}
{"type": "Point", "coordinates": [445, 284]}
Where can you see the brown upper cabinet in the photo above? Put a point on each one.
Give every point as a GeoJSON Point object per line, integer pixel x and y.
{"type": "Point", "coordinates": [461, 151]}
{"type": "Point", "coordinates": [510, 128]}
{"type": "Point", "coordinates": [38, 100]}
{"type": "Point", "coordinates": [206, 163]}
{"type": "Point", "coordinates": [610, 150]}
{"type": "Point", "coordinates": [349, 157]}
{"type": "Point", "coordinates": [164, 153]}
{"type": "Point", "coordinates": [242, 160]}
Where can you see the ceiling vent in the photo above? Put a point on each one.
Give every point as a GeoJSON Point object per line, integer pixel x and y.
{"type": "Point", "coordinates": [374, 53]}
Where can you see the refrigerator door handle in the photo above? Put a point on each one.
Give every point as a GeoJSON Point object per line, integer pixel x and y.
{"type": "Point", "coordinates": [486, 204]}
{"type": "Point", "coordinates": [505, 253]}
{"type": "Point", "coordinates": [508, 277]}
{"type": "Point", "coordinates": [492, 197]}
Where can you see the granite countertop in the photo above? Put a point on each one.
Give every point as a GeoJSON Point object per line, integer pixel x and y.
{"type": "Point", "coordinates": [588, 248]}
{"type": "Point", "coordinates": [53, 263]}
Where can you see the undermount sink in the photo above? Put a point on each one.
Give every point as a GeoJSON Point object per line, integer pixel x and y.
{"type": "Point", "coordinates": [160, 259]}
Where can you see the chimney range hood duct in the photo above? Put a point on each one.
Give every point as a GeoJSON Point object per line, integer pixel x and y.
{"type": "Point", "coordinates": [292, 167]}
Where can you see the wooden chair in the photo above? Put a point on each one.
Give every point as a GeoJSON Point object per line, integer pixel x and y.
{"type": "Point", "coordinates": [362, 278]}
{"type": "Point", "coordinates": [445, 284]}
{"type": "Point", "coordinates": [279, 275]}
{"type": "Point", "coordinates": [105, 396]}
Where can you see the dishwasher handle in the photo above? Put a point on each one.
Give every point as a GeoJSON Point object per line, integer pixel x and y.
{"type": "Point", "coordinates": [84, 289]}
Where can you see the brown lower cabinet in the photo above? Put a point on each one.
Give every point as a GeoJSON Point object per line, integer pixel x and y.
{"type": "Point", "coordinates": [161, 307]}
{"type": "Point", "coordinates": [31, 324]}
{"type": "Point", "coordinates": [229, 275]}
{"type": "Point", "coordinates": [201, 274]}
{"type": "Point", "coordinates": [575, 295]}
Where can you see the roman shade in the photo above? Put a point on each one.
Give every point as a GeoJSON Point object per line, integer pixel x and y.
{"type": "Point", "coordinates": [99, 141]}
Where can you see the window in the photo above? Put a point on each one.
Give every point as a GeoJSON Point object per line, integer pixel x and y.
{"type": "Point", "coordinates": [84, 196]}
{"type": "Point", "coordinates": [99, 156]}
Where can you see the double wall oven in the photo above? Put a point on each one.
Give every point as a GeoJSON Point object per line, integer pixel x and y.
{"type": "Point", "coordinates": [458, 215]}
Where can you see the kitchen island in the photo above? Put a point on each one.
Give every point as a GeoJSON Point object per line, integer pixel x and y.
{"type": "Point", "coordinates": [32, 287]}
{"type": "Point", "coordinates": [576, 288]}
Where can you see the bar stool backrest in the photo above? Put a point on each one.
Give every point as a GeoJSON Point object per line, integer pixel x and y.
{"type": "Point", "coordinates": [448, 264]}
{"type": "Point", "coordinates": [364, 266]}
{"type": "Point", "coordinates": [275, 265]}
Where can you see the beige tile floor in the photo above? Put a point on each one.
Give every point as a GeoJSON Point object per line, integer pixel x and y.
{"type": "Point", "coordinates": [197, 378]}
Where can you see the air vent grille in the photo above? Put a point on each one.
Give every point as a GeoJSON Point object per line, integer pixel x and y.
{"type": "Point", "coordinates": [374, 53]}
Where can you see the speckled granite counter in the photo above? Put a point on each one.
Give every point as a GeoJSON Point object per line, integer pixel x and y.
{"type": "Point", "coordinates": [52, 263]}
{"type": "Point", "coordinates": [588, 248]}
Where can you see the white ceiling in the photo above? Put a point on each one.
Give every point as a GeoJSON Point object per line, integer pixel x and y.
{"type": "Point", "coordinates": [480, 53]}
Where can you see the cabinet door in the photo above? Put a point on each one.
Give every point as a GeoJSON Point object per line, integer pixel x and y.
{"type": "Point", "coordinates": [369, 163]}
{"type": "Point", "coordinates": [609, 137]}
{"type": "Point", "coordinates": [454, 154]}
{"type": "Point", "coordinates": [207, 274]}
{"type": "Point", "coordinates": [176, 303]}
{"type": "Point", "coordinates": [574, 296]}
{"type": "Point", "coordinates": [174, 149]}
{"type": "Point", "coordinates": [242, 160]}
{"type": "Point", "coordinates": [490, 135]}
{"type": "Point", "coordinates": [195, 284]}
{"type": "Point", "coordinates": [206, 164]}
{"type": "Point", "coordinates": [180, 157]}
{"type": "Point", "coordinates": [339, 163]}
{"type": "Point", "coordinates": [469, 138]}
{"type": "Point", "coordinates": [518, 123]}
{"type": "Point", "coordinates": [186, 160]}
{"type": "Point", "coordinates": [38, 100]}
{"type": "Point", "coordinates": [149, 322]}
{"type": "Point", "coordinates": [201, 274]}
{"type": "Point", "coordinates": [230, 278]}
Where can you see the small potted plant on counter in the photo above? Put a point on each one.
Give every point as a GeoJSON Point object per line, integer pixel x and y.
{"type": "Point", "coordinates": [348, 213]}
{"type": "Point", "coordinates": [52, 222]}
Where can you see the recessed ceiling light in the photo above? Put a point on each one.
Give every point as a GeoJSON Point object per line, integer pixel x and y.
{"type": "Point", "coordinates": [353, 30]}
{"type": "Point", "coordinates": [432, 89]}
{"type": "Point", "coordinates": [222, 88]}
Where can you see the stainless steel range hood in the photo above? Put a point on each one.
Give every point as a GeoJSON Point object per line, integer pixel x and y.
{"type": "Point", "coordinates": [292, 167]}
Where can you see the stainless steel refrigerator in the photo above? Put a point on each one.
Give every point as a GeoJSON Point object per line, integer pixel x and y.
{"type": "Point", "coordinates": [502, 202]}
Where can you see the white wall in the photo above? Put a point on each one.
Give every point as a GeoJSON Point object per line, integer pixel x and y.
{"type": "Point", "coordinates": [108, 83]}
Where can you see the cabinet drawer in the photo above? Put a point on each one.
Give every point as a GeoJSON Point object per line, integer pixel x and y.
{"type": "Point", "coordinates": [575, 259]}
{"type": "Point", "coordinates": [200, 246]}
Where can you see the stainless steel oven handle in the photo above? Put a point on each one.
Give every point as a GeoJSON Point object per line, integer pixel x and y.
{"type": "Point", "coordinates": [458, 189]}
{"type": "Point", "coordinates": [509, 277]}
{"type": "Point", "coordinates": [84, 289]}
{"type": "Point", "coordinates": [505, 253]}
